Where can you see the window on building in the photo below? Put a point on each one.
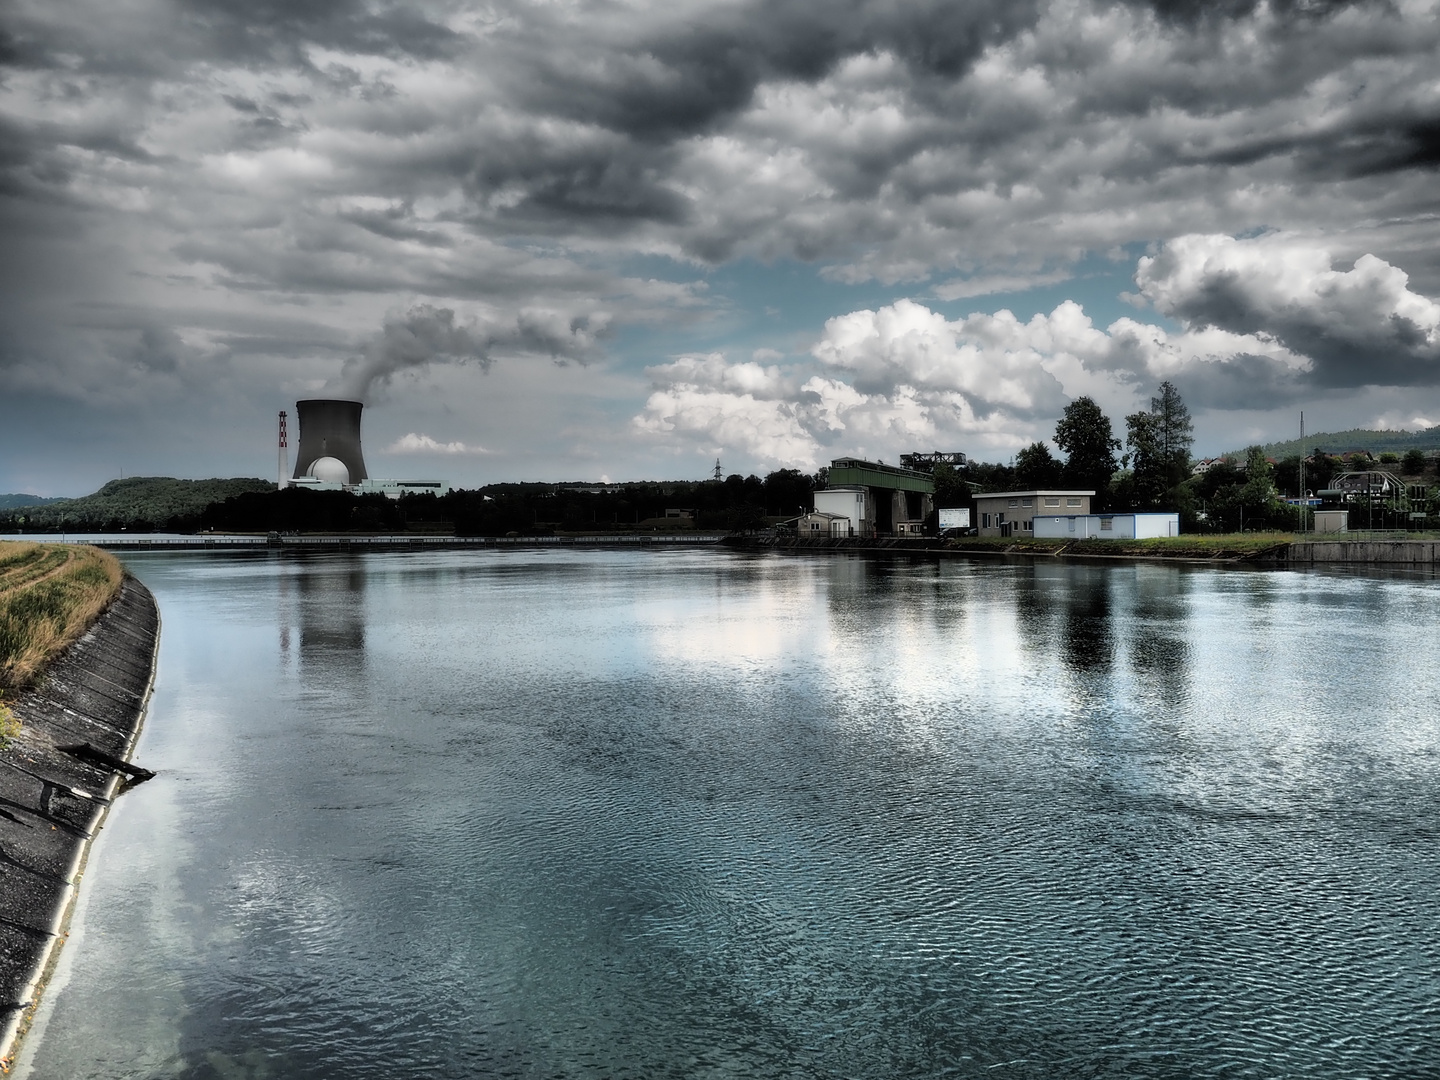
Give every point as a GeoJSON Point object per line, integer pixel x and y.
{"type": "Point", "coordinates": [985, 520]}
{"type": "Point", "coordinates": [1052, 500]}
{"type": "Point", "coordinates": [1014, 502]}
{"type": "Point", "coordinates": [1072, 501]}
{"type": "Point", "coordinates": [1029, 525]}
{"type": "Point", "coordinates": [1107, 524]}
{"type": "Point", "coordinates": [1027, 502]}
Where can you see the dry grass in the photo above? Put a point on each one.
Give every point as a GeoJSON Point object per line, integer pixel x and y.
{"type": "Point", "coordinates": [49, 595]}
{"type": "Point", "coordinates": [9, 726]}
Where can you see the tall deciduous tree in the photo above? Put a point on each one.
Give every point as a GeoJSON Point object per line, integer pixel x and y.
{"type": "Point", "coordinates": [1036, 467]}
{"type": "Point", "coordinates": [950, 487]}
{"type": "Point", "coordinates": [1084, 433]}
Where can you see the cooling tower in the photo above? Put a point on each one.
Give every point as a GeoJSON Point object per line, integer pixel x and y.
{"type": "Point", "coordinates": [330, 428]}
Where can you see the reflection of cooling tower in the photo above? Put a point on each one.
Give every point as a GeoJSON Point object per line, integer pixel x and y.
{"type": "Point", "coordinates": [329, 428]}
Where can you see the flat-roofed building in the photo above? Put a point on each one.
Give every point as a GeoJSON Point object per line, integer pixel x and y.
{"type": "Point", "coordinates": [1012, 513]}
{"type": "Point", "coordinates": [1127, 526]}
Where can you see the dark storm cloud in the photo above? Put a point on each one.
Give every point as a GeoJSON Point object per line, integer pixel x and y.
{"type": "Point", "coordinates": [702, 65]}
{"type": "Point", "coordinates": [1193, 12]}
{"type": "Point", "coordinates": [1244, 381]}
{"type": "Point", "coordinates": [323, 162]}
{"type": "Point", "coordinates": [1359, 326]}
{"type": "Point", "coordinates": [276, 30]}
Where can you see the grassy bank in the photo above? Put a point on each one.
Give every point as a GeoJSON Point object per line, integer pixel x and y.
{"type": "Point", "coordinates": [49, 594]}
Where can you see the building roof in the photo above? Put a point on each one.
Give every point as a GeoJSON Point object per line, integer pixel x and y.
{"type": "Point", "coordinates": [1117, 513]}
{"type": "Point", "coordinates": [845, 472]}
{"type": "Point", "coordinates": [1018, 494]}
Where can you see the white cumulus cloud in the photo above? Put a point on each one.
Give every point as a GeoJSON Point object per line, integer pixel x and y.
{"type": "Point", "coordinates": [416, 443]}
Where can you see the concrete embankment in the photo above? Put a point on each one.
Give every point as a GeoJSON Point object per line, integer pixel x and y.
{"type": "Point", "coordinates": [1390, 554]}
{"type": "Point", "coordinates": [1420, 554]}
{"type": "Point", "coordinates": [57, 779]}
{"type": "Point", "coordinates": [1024, 549]}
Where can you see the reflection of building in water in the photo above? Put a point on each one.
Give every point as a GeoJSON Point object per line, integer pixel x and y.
{"type": "Point", "coordinates": [1087, 635]}
{"type": "Point", "coordinates": [1159, 650]}
{"type": "Point", "coordinates": [330, 602]}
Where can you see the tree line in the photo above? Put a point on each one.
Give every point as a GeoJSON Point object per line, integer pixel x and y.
{"type": "Point", "coordinates": [1152, 470]}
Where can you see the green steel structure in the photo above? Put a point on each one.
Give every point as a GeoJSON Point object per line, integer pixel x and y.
{"type": "Point", "coordinates": [852, 472]}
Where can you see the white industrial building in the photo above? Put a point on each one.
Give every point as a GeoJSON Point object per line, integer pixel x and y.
{"type": "Point", "coordinates": [854, 505]}
{"type": "Point", "coordinates": [391, 489]}
{"type": "Point", "coordinates": [1105, 526]}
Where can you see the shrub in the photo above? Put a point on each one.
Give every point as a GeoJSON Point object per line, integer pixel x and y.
{"type": "Point", "coordinates": [9, 726]}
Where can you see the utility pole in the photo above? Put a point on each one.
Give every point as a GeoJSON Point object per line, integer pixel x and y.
{"type": "Point", "coordinates": [1304, 505]}
{"type": "Point", "coordinates": [717, 469]}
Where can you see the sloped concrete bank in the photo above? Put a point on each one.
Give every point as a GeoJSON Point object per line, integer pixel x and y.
{"type": "Point", "coordinates": [53, 800]}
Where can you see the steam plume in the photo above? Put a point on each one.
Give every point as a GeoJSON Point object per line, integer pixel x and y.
{"type": "Point", "coordinates": [428, 335]}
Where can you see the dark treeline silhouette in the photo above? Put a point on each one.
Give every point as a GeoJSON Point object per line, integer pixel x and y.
{"type": "Point", "coordinates": [737, 502]}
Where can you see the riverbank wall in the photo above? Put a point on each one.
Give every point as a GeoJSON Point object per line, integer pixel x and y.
{"type": "Point", "coordinates": [1421, 554]}
{"type": "Point", "coordinates": [314, 543]}
{"type": "Point", "coordinates": [1390, 554]}
{"type": "Point", "coordinates": [58, 778]}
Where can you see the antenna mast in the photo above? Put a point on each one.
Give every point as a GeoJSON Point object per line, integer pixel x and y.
{"type": "Point", "coordinates": [284, 451]}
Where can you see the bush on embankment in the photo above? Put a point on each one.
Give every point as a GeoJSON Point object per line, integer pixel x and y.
{"type": "Point", "coordinates": [49, 595]}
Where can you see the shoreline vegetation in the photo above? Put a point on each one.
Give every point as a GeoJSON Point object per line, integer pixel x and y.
{"type": "Point", "coordinates": [50, 595]}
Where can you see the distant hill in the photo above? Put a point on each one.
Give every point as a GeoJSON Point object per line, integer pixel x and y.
{"type": "Point", "coordinates": [1340, 442]}
{"type": "Point", "coordinates": [136, 500]}
{"type": "Point", "coordinates": [9, 502]}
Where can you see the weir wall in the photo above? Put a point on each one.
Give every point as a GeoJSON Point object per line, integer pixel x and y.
{"type": "Point", "coordinates": [1418, 553]}
{"type": "Point", "coordinates": [51, 801]}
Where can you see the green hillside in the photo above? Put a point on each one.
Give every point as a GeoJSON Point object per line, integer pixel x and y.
{"type": "Point", "coordinates": [134, 501]}
{"type": "Point", "coordinates": [11, 502]}
{"type": "Point", "coordinates": [1341, 442]}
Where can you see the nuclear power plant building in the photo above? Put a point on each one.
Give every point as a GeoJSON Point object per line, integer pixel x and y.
{"type": "Point", "coordinates": [329, 456]}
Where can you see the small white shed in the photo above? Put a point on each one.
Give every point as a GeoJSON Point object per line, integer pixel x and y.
{"type": "Point", "coordinates": [1106, 526]}
{"type": "Point", "coordinates": [818, 524]}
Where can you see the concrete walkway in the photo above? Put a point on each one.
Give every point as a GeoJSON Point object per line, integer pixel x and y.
{"type": "Point", "coordinates": [52, 800]}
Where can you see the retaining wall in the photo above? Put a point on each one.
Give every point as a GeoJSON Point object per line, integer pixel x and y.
{"type": "Point", "coordinates": [51, 801]}
{"type": "Point", "coordinates": [1379, 552]}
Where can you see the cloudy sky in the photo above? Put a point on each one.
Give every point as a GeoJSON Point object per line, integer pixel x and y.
{"type": "Point", "coordinates": [574, 239]}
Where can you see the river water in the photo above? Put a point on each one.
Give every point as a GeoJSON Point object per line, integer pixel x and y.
{"type": "Point", "coordinates": [703, 814]}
